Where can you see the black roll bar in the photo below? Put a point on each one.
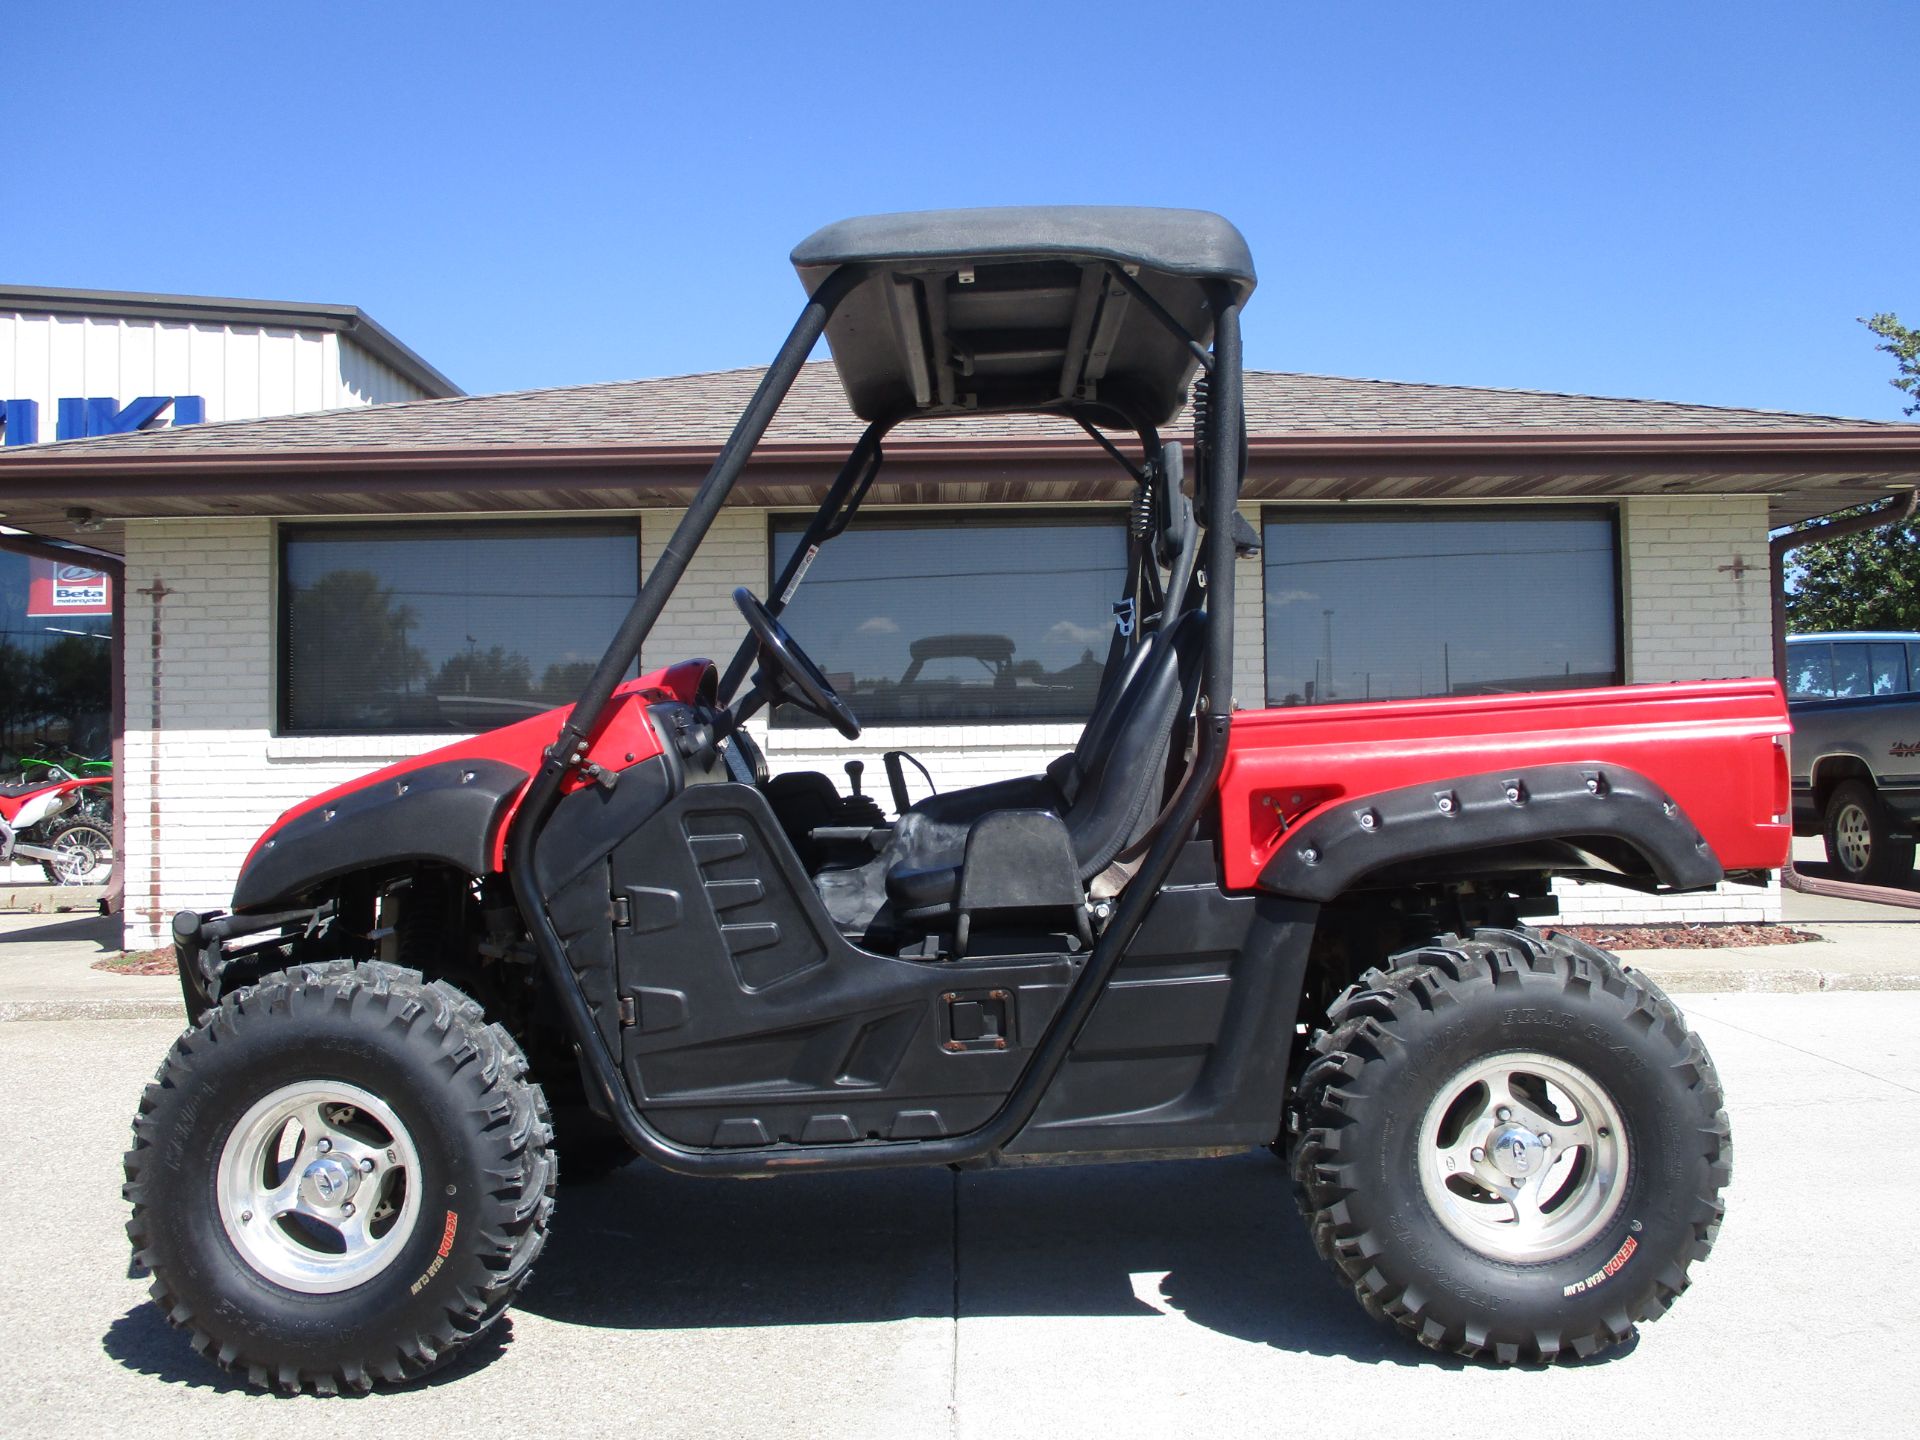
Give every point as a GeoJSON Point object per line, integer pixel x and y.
{"type": "Point", "coordinates": [1226, 422]}
{"type": "Point", "coordinates": [598, 1065]}
{"type": "Point", "coordinates": [693, 526]}
{"type": "Point", "coordinates": [843, 500]}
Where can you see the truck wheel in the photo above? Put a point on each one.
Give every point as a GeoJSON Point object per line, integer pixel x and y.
{"type": "Point", "coordinates": [1511, 1147]}
{"type": "Point", "coordinates": [1860, 838]}
{"type": "Point", "coordinates": [339, 1176]}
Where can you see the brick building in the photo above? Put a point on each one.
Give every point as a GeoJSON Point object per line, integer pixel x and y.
{"type": "Point", "coordinates": [325, 593]}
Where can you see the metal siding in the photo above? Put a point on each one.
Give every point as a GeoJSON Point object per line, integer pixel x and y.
{"type": "Point", "coordinates": [365, 380]}
{"type": "Point", "coordinates": [243, 372]}
{"type": "Point", "coordinates": [277, 394]}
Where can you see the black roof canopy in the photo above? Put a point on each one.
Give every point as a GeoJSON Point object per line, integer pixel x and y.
{"type": "Point", "coordinates": [1024, 307]}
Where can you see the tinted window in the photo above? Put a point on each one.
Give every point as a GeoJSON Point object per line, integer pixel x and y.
{"type": "Point", "coordinates": [1888, 664]}
{"type": "Point", "coordinates": [957, 621]}
{"type": "Point", "coordinates": [459, 626]}
{"type": "Point", "coordinates": [1850, 678]}
{"type": "Point", "coordinates": [1464, 602]}
{"type": "Point", "coordinates": [1810, 672]}
{"type": "Point", "coordinates": [55, 673]}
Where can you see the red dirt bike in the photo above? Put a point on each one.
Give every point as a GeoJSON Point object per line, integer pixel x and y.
{"type": "Point", "coordinates": [606, 931]}
{"type": "Point", "coordinates": [56, 822]}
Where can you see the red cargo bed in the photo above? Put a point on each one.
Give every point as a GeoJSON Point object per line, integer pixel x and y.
{"type": "Point", "coordinates": [1717, 747]}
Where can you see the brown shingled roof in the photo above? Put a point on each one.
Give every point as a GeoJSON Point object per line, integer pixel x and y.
{"type": "Point", "coordinates": [647, 443]}
{"type": "Point", "coordinates": [699, 411]}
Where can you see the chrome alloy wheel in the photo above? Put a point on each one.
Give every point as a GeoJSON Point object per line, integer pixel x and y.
{"type": "Point", "coordinates": [319, 1186]}
{"type": "Point", "coordinates": [1853, 838]}
{"type": "Point", "coordinates": [1523, 1158]}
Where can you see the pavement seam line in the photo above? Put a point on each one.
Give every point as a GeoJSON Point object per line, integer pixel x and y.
{"type": "Point", "coordinates": [1697, 1016]}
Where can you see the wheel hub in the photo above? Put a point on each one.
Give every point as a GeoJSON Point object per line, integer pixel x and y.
{"type": "Point", "coordinates": [329, 1183]}
{"type": "Point", "coordinates": [319, 1186]}
{"type": "Point", "coordinates": [1523, 1157]}
{"type": "Point", "coordinates": [1517, 1152]}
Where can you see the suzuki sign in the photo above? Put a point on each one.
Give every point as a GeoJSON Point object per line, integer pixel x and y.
{"type": "Point", "coordinates": [83, 415]}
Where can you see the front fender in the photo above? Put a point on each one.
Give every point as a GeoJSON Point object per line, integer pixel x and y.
{"type": "Point", "coordinates": [1551, 815]}
{"type": "Point", "coordinates": [446, 812]}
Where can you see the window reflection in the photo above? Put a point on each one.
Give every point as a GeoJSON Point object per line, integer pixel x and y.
{"type": "Point", "coordinates": [446, 626]}
{"type": "Point", "coordinates": [958, 619]}
{"type": "Point", "coordinates": [1384, 605]}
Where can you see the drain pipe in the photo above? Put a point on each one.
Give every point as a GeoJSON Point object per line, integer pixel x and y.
{"type": "Point", "coordinates": [1897, 511]}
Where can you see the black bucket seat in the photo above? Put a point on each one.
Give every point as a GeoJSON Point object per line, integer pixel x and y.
{"type": "Point", "coordinates": [1105, 792]}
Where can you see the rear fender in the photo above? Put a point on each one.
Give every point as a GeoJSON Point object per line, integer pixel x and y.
{"type": "Point", "coordinates": [1574, 818]}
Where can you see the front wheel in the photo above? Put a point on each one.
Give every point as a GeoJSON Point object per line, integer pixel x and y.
{"type": "Point", "coordinates": [1511, 1147]}
{"type": "Point", "coordinates": [341, 1175]}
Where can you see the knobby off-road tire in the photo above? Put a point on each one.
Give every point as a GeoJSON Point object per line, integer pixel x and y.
{"type": "Point", "coordinates": [1434, 1254]}
{"type": "Point", "coordinates": [402, 1079]}
{"type": "Point", "coordinates": [1859, 833]}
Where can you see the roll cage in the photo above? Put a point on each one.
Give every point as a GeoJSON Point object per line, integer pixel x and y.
{"type": "Point", "coordinates": [1105, 316]}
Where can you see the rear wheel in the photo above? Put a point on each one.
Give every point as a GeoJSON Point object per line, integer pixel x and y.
{"type": "Point", "coordinates": [1511, 1147]}
{"type": "Point", "coordinates": [341, 1175]}
{"type": "Point", "coordinates": [1860, 837]}
{"type": "Point", "coordinates": [83, 849]}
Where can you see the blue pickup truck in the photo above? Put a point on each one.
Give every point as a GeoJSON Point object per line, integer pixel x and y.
{"type": "Point", "coordinates": [1855, 701]}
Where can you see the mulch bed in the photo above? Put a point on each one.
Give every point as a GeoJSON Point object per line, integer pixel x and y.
{"type": "Point", "coordinates": [140, 962]}
{"type": "Point", "coordinates": [1685, 937]}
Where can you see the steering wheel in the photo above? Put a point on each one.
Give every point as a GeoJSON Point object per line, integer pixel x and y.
{"type": "Point", "coordinates": [790, 666]}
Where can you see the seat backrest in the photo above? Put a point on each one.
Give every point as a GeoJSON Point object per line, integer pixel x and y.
{"type": "Point", "coordinates": [1121, 783]}
{"type": "Point", "coordinates": [1072, 768]}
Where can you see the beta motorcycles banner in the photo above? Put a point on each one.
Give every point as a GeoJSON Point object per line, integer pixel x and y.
{"type": "Point", "coordinates": [59, 587]}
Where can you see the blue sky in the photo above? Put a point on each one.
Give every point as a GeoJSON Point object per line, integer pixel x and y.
{"type": "Point", "coordinates": [1692, 202]}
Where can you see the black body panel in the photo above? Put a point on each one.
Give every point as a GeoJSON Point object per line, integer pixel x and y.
{"type": "Point", "coordinates": [1597, 820]}
{"type": "Point", "coordinates": [1189, 1046]}
{"type": "Point", "coordinates": [755, 1022]}
{"type": "Point", "coordinates": [447, 812]}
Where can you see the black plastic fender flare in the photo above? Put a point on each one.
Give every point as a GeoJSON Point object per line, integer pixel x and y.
{"type": "Point", "coordinates": [1361, 835]}
{"type": "Point", "coordinates": [448, 811]}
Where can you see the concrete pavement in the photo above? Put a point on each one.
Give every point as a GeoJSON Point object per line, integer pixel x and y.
{"type": "Point", "coordinates": [46, 973]}
{"type": "Point", "coordinates": [1154, 1299]}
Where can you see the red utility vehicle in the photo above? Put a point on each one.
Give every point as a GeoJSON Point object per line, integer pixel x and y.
{"type": "Point", "coordinates": [606, 931]}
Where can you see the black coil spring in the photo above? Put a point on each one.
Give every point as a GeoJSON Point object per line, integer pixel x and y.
{"type": "Point", "coordinates": [1140, 522]}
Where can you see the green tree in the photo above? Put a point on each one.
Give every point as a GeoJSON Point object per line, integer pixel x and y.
{"type": "Point", "coordinates": [349, 648]}
{"type": "Point", "coordinates": [1903, 344]}
{"type": "Point", "coordinates": [565, 679]}
{"type": "Point", "coordinates": [1869, 581]}
{"type": "Point", "coordinates": [496, 672]}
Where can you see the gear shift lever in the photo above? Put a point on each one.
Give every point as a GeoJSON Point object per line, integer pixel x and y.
{"type": "Point", "coordinates": [855, 769]}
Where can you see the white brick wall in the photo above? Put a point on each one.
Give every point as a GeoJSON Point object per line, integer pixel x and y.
{"type": "Point", "coordinates": [1689, 616]}
{"type": "Point", "coordinates": [223, 776]}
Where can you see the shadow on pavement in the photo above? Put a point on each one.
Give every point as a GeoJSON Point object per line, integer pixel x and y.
{"type": "Point", "coordinates": [1218, 1242]}
{"type": "Point", "coordinates": [102, 930]}
{"type": "Point", "coordinates": [142, 1341]}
